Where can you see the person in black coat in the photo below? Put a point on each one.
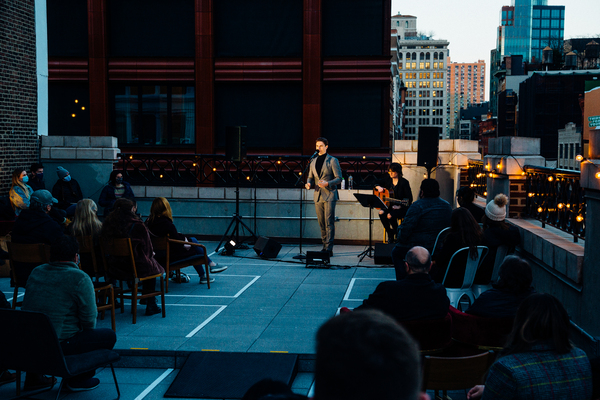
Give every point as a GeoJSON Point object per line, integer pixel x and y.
{"type": "Point", "coordinates": [416, 297]}
{"type": "Point", "coordinates": [399, 189]}
{"type": "Point", "coordinates": [117, 188]}
{"type": "Point", "coordinates": [465, 197]}
{"type": "Point", "coordinates": [36, 180]}
{"type": "Point", "coordinates": [67, 191]}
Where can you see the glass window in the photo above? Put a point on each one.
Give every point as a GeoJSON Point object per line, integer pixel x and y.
{"type": "Point", "coordinates": [555, 13]}
{"type": "Point", "coordinates": [560, 151]}
{"type": "Point", "coordinates": [545, 13]}
{"type": "Point", "coordinates": [536, 13]}
{"type": "Point", "coordinates": [535, 33]}
{"type": "Point", "coordinates": [510, 14]}
{"type": "Point", "coordinates": [504, 15]}
{"type": "Point", "coordinates": [536, 23]}
{"type": "Point", "coordinates": [545, 33]}
{"type": "Point", "coordinates": [545, 23]}
{"type": "Point", "coordinates": [421, 65]}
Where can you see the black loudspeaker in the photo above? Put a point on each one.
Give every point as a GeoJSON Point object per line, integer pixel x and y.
{"type": "Point", "coordinates": [429, 142]}
{"type": "Point", "coordinates": [235, 143]}
{"type": "Point", "coordinates": [266, 248]}
{"type": "Point", "coordinates": [383, 253]}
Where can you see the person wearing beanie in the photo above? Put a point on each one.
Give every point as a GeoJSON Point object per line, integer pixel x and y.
{"type": "Point", "coordinates": [496, 233]}
{"type": "Point", "coordinates": [67, 191]}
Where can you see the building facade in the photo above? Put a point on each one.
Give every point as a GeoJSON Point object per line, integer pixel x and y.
{"type": "Point", "coordinates": [569, 147]}
{"type": "Point", "coordinates": [466, 86]}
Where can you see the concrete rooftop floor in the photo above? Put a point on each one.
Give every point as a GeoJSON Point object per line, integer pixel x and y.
{"type": "Point", "coordinates": [257, 305]}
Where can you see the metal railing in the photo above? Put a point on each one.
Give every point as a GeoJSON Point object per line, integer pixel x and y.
{"type": "Point", "coordinates": [477, 177]}
{"type": "Point", "coordinates": [266, 171]}
{"type": "Point", "coordinates": [555, 197]}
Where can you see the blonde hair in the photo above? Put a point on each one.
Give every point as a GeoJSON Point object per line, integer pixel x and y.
{"type": "Point", "coordinates": [160, 208]}
{"type": "Point", "coordinates": [86, 221]}
{"type": "Point", "coordinates": [16, 180]}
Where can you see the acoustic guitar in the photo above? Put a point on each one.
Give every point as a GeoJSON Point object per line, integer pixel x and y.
{"type": "Point", "coordinates": [385, 196]}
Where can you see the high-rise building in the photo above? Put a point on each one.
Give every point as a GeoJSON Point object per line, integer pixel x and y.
{"type": "Point", "coordinates": [421, 70]}
{"type": "Point", "coordinates": [466, 86]}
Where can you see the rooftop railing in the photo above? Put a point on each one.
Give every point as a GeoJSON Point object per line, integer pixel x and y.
{"type": "Point", "coordinates": [477, 177]}
{"type": "Point", "coordinates": [266, 171]}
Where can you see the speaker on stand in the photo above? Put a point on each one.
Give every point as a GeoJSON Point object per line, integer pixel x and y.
{"type": "Point", "coordinates": [429, 143]}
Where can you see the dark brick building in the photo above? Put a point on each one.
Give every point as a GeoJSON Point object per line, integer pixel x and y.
{"type": "Point", "coordinates": [19, 142]}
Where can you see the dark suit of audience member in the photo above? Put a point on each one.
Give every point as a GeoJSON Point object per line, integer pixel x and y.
{"type": "Point", "coordinates": [416, 297]}
{"type": "Point", "coordinates": [465, 197]}
{"type": "Point", "coordinates": [36, 182]}
{"type": "Point", "coordinates": [34, 225]}
{"type": "Point", "coordinates": [399, 189]}
{"type": "Point", "coordinates": [513, 286]}
{"type": "Point", "coordinates": [423, 221]}
{"type": "Point", "coordinates": [67, 191]}
{"type": "Point", "coordinates": [116, 189]}
{"type": "Point", "coordinates": [496, 232]}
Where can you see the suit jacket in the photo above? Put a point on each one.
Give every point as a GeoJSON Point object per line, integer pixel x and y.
{"type": "Point", "coordinates": [416, 297]}
{"type": "Point", "coordinates": [331, 172]}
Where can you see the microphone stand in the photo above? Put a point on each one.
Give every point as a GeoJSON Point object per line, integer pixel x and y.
{"type": "Point", "coordinates": [300, 255]}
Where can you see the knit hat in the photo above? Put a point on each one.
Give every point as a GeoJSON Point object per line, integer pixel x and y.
{"type": "Point", "coordinates": [43, 197]}
{"type": "Point", "coordinates": [496, 209]}
{"type": "Point", "coordinates": [61, 172]}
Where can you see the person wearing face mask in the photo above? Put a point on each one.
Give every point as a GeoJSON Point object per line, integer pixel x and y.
{"type": "Point", "coordinates": [20, 191]}
{"type": "Point", "coordinates": [67, 191]}
{"type": "Point", "coordinates": [117, 188]}
{"type": "Point", "coordinates": [36, 180]}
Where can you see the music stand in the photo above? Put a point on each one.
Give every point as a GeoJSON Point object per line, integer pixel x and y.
{"type": "Point", "coordinates": [371, 201]}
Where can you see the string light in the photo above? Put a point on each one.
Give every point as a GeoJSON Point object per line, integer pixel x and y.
{"type": "Point", "coordinates": [579, 218]}
{"type": "Point", "coordinates": [579, 157]}
{"type": "Point", "coordinates": [550, 178]}
{"type": "Point", "coordinates": [73, 115]}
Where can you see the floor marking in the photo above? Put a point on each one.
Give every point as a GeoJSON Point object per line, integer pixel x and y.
{"type": "Point", "coordinates": [19, 295]}
{"type": "Point", "coordinates": [154, 384]}
{"type": "Point", "coordinates": [278, 351]}
{"type": "Point", "coordinates": [209, 350]}
{"type": "Point", "coordinates": [195, 305]}
{"type": "Point", "coordinates": [138, 348]}
{"type": "Point", "coordinates": [242, 290]}
{"type": "Point", "coordinates": [349, 289]}
{"type": "Point", "coordinates": [202, 325]}
{"type": "Point", "coordinates": [351, 285]}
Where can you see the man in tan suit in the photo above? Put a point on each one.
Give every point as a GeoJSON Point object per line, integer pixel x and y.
{"type": "Point", "coordinates": [326, 171]}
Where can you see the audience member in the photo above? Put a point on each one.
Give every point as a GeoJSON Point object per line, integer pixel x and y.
{"type": "Point", "coordinates": [465, 196]}
{"type": "Point", "coordinates": [424, 219]}
{"type": "Point", "coordinates": [67, 191]}
{"type": "Point", "coordinates": [399, 189]}
{"type": "Point", "coordinates": [160, 223]}
{"type": "Point", "coordinates": [37, 177]}
{"type": "Point", "coordinates": [464, 232]}
{"type": "Point", "coordinates": [72, 309]}
{"type": "Point", "coordinates": [86, 223]}
{"type": "Point", "coordinates": [34, 225]}
{"type": "Point", "coordinates": [416, 297]}
{"type": "Point", "coordinates": [20, 192]}
{"type": "Point", "coordinates": [538, 361]}
{"type": "Point", "coordinates": [117, 188]}
{"type": "Point", "coordinates": [513, 286]}
{"type": "Point", "coordinates": [5, 375]}
{"type": "Point", "coordinates": [122, 223]}
{"type": "Point", "coordinates": [269, 389]}
{"type": "Point", "coordinates": [496, 232]}
{"type": "Point", "coordinates": [366, 355]}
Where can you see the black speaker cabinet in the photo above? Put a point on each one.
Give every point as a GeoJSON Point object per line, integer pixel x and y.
{"type": "Point", "coordinates": [235, 143]}
{"type": "Point", "coordinates": [266, 248]}
{"type": "Point", "coordinates": [383, 253]}
{"type": "Point", "coordinates": [429, 142]}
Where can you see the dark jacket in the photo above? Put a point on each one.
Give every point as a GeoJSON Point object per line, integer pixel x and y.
{"type": "Point", "coordinates": [108, 198]}
{"type": "Point", "coordinates": [400, 191]}
{"type": "Point", "coordinates": [37, 184]}
{"type": "Point", "coordinates": [452, 243]}
{"type": "Point", "coordinates": [163, 226]}
{"type": "Point", "coordinates": [493, 237]}
{"type": "Point", "coordinates": [415, 297]}
{"type": "Point", "coordinates": [66, 193]}
{"type": "Point", "coordinates": [498, 303]}
{"type": "Point", "coordinates": [424, 219]}
{"type": "Point", "coordinates": [476, 212]}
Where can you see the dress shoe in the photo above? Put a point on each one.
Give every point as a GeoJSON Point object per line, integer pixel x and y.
{"type": "Point", "coordinates": [152, 308]}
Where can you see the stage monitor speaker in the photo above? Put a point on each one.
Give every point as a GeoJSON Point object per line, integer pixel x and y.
{"type": "Point", "coordinates": [429, 141]}
{"type": "Point", "coordinates": [266, 248]}
{"type": "Point", "coordinates": [235, 143]}
{"type": "Point", "coordinates": [383, 253]}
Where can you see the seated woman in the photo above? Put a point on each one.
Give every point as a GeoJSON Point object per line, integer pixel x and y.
{"type": "Point", "coordinates": [538, 361]}
{"type": "Point", "coordinates": [86, 223]}
{"type": "Point", "coordinates": [464, 232]}
{"type": "Point", "coordinates": [160, 223]}
{"type": "Point", "coordinates": [116, 189]}
{"type": "Point", "coordinates": [122, 223]}
{"type": "Point", "coordinates": [496, 232]}
{"type": "Point", "coordinates": [20, 192]}
{"type": "Point", "coordinates": [513, 286]}
{"type": "Point", "coordinates": [399, 189]}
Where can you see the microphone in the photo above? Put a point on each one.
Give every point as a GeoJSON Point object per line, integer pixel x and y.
{"type": "Point", "coordinates": [315, 154]}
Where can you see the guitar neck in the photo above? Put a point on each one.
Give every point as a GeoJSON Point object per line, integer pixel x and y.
{"type": "Point", "coordinates": [403, 202]}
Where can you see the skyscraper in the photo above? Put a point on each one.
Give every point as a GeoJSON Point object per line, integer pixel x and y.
{"type": "Point", "coordinates": [466, 86]}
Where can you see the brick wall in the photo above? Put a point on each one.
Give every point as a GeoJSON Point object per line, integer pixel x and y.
{"type": "Point", "coordinates": [19, 141]}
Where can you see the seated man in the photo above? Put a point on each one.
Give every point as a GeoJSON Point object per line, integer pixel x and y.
{"type": "Point", "coordinates": [66, 295]}
{"type": "Point", "coordinates": [424, 219]}
{"type": "Point", "coordinates": [36, 181]}
{"type": "Point", "coordinates": [67, 191]}
{"type": "Point", "coordinates": [415, 297]}
{"type": "Point", "coordinates": [464, 197]}
{"type": "Point", "coordinates": [366, 355]}
{"type": "Point", "coordinates": [399, 192]}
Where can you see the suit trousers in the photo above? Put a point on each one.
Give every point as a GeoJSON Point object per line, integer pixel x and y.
{"type": "Point", "coordinates": [326, 216]}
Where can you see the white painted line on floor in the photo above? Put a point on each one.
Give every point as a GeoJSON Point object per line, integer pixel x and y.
{"type": "Point", "coordinates": [19, 295]}
{"type": "Point", "coordinates": [154, 384]}
{"type": "Point", "coordinates": [350, 286]}
{"type": "Point", "coordinates": [242, 290]}
{"type": "Point", "coordinates": [349, 290]}
{"type": "Point", "coordinates": [198, 295]}
{"type": "Point", "coordinates": [202, 325]}
{"type": "Point", "coordinates": [195, 305]}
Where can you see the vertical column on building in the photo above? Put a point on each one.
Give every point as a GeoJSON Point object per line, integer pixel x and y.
{"type": "Point", "coordinates": [98, 68]}
{"type": "Point", "coordinates": [311, 75]}
{"type": "Point", "coordinates": [205, 135]}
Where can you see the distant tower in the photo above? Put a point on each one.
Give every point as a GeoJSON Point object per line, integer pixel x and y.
{"type": "Point", "coordinates": [466, 86]}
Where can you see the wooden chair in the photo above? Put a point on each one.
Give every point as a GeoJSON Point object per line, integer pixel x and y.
{"type": "Point", "coordinates": [37, 253]}
{"type": "Point", "coordinates": [456, 294]}
{"type": "Point", "coordinates": [162, 247]}
{"type": "Point", "coordinates": [105, 293]}
{"type": "Point", "coordinates": [454, 373]}
{"type": "Point", "coordinates": [28, 343]}
{"type": "Point", "coordinates": [122, 248]}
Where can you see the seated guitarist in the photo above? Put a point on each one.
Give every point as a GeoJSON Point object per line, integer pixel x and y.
{"type": "Point", "coordinates": [398, 189]}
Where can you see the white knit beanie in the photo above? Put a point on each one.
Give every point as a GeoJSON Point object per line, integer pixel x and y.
{"type": "Point", "coordinates": [496, 209]}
